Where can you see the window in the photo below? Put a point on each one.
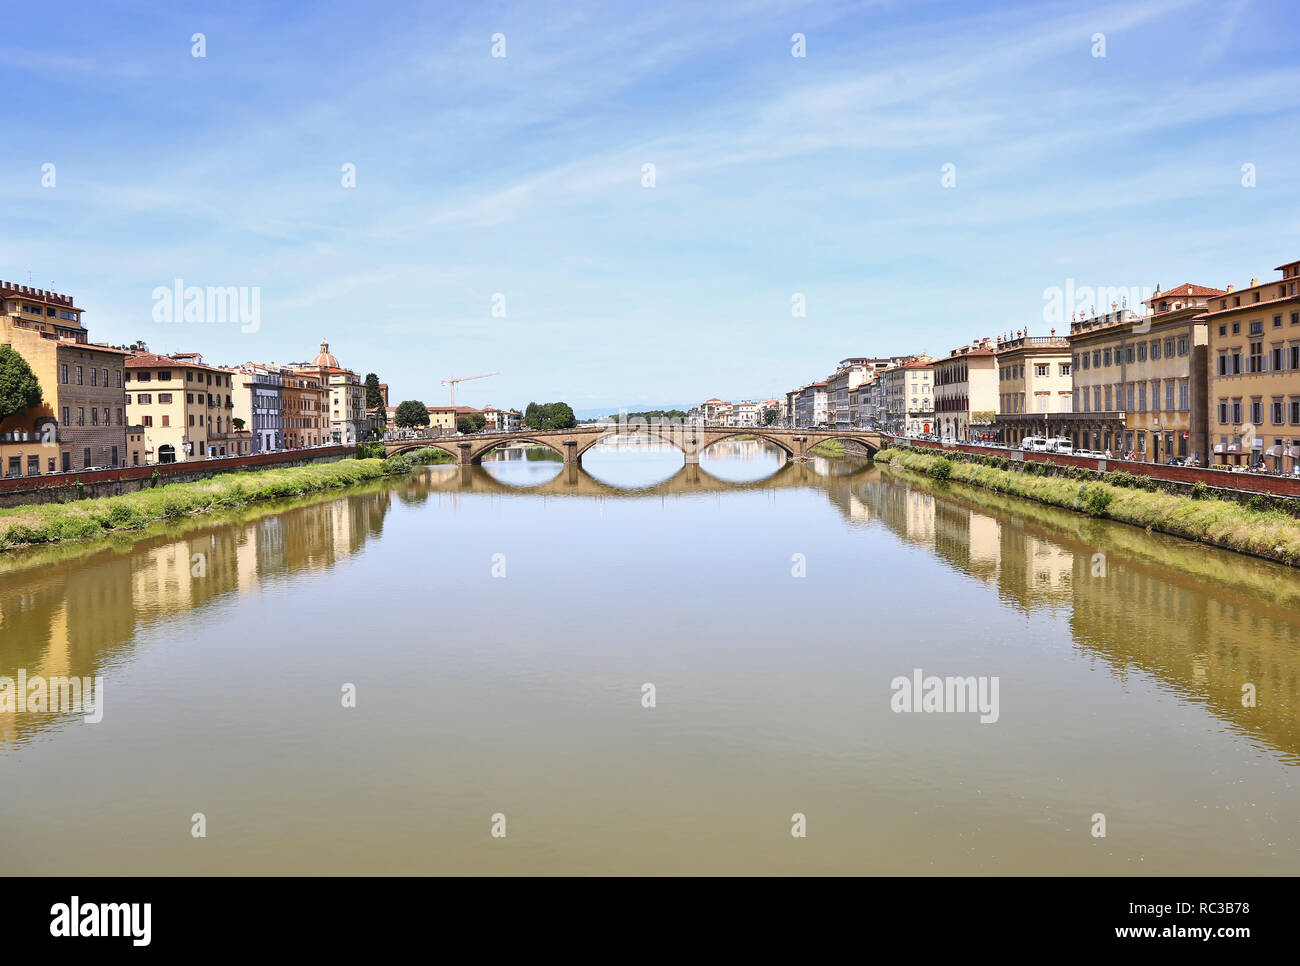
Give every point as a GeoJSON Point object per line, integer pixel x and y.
{"type": "Point", "coordinates": [1169, 395]}
{"type": "Point", "coordinates": [80, 380]}
{"type": "Point", "coordinates": [1155, 350]}
{"type": "Point", "coordinates": [1065, 368]}
{"type": "Point", "coordinates": [81, 416]}
{"type": "Point", "coordinates": [146, 421]}
{"type": "Point", "coordinates": [145, 399]}
{"type": "Point", "coordinates": [1256, 412]}
{"type": "Point", "coordinates": [1040, 370]}
{"type": "Point", "coordinates": [94, 417]}
{"type": "Point", "coordinates": [1105, 358]}
{"type": "Point", "coordinates": [117, 378]}
{"type": "Point", "coordinates": [119, 417]}
{"type": "Point", "coordinates": [1256, 327]}
{"type": "Point", "coordinates": [1275, 359]}
{"type": "Point", "coordinates": [1182, 345]}
{"type": "Point", "coordinates": [164, 398]}
{"type": "Point", "coordinates": [1256, 361]}
{"type": "Point", "coordinates": [1277, 412]}
{"type": "Point", "coordinates": [166, 420]}
{"type": "Point", "coordinates": [1277, 321]}
{"type": "Point", "coordinates": [165, 376]}
{"type": "Point", "coordinates": [63, 373]}
{"type": "Point", "coordinates": [1142, 397]}
{"type": "Point", "coordinates": [66, 420]}
{"type": "Point", "coordinates": [1142, 352]}
{"type": "Point", "coordinates": [142, 377]}
{"type": "Point", "coordinates": [1295, 412]}
{"type": "Point", "coordinates": [85, 457]}
{"type": "Point", "coordinates": [1236, 410]}
{"type": "Point", "coordinates": [1223, 329]}
{"type": "Point", "coordinates": [1182, 395]}
{"type": "Point", "coordinates": [1169, 348]}
{"type": "Point", "coordinates": [1096, 358]}
{"type": "Point", "coordinates": [114, 455]}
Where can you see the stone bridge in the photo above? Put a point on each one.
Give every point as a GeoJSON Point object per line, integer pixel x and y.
{"type": "Point", "coordinates": [691, 440]}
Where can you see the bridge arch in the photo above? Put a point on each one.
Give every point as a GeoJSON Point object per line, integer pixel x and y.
{"type": "Point", "coordinates": [477, 455]}
{"type": "Point", "coordinates": [855, 439]}
{"type": "Point", "coordinates": [407, 446]}
{"type": "Point", "coordinates": [752, 433]}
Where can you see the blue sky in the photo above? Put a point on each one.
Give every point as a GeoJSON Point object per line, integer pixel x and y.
{"type": "Point", "coordinates": [522, 175]}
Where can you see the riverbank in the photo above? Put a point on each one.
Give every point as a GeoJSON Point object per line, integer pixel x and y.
{"type": "Point", "coordinates": [88, 519]}
{"type": "Point", "coordinates": [1262, 532]}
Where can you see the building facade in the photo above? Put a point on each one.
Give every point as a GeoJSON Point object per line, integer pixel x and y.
{"type": "Point", "coordinates": [1253, 373]}
{"type": "Point", "coordinates": [81, 420]}
{"type": "Point", "coordinates": [966, 391]}
{"type": "Point", "coordinates": [184, 407]}
{"type": "Point", "coordinates": [259, 403]}
{"type": "Point", "coordinates": [1034, 382]}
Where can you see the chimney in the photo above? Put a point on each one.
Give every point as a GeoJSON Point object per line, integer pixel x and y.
{"type": "Point", "coordinates": [1253, 281]}
{"type": "Point", "coordinates": [1229, 287]}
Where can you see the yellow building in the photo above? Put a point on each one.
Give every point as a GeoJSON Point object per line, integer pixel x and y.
{"type": "Point", "coordinates": [1253, 368]}
{"type": "Point", "coordinates": [1034, 383]}
{"type": "Point", "coordinates": [80, 422]}
{"type": "Point", "coordinates": [183, 406]}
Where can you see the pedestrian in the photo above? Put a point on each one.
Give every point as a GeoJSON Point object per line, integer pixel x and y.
{"type": "Point", "coordinates": [1108, 456]}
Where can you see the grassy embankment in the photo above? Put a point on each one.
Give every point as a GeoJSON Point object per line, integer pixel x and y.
{"type": "Point", "coordinates": [1257, 529]}
{"type": "Point", "coordinates": [86, 519]}
{"type": "Point", "coordinates": [832, 447]}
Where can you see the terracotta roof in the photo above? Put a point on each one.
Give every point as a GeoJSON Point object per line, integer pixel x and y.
{"type": "Point", "coordinates": [1187, 288]}
{"type": "Point", "coordinates": [152, 360]}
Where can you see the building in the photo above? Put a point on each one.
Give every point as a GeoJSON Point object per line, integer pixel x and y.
{"type": "Point", "coordinates": [346, 397]}
{"type": "Point", "coordinates": [1253, 370]}
{"type": "Point", "coordinates": [907, 398]}
{"type": "Point", "coordinates": [443, 418]}
{"type": "Point", "coordinates": [49, 313]}
{"type": "Point", "coordinates": [747, 413]}
{"type": "Point", "coordinates": [1034, 382]}
{"type": "Point", "coordinates": [966, 391]}
{"type": "Point", "coordinates": [1139, 380]}
{"type": "Point", "coordinates": [810, 406]}
{"type": "Point", "coordinates": [500, 420]}
{"type": "Point", "coordinates": [848, 375]}
{"type": "Point", "coordinates": [184, 407]}
{"type": "Point", "coordinates": [306, 401]}
{"type": "Point", "coordinates": [715, 411]}
{"type": "Point", "coordinates": [81, 420]}
{"type": "Point", "coordinates": [259, 404]}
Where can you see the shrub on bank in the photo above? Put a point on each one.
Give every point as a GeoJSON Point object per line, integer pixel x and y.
{"type": "Point", "coordinates": [57, 522]}
{"type": "Point", "coordinates": [940, 469]}
{"type": "Point", "coordinates": [1264, 530]}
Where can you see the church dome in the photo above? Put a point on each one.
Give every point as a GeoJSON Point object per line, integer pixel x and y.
{"type": "Point", "coordinates": [325, 359]}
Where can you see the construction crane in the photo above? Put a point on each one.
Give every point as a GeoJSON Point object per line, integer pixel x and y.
{"type": "Point", "coordinates": [455, 379]}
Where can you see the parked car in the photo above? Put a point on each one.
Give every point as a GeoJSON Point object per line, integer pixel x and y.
{"type": "Point", "coordinates": [1034, 444]}
{"type": "Point", "coordinates": [1060, 444]}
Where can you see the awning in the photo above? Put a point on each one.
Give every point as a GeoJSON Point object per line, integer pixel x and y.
{"type": "Point", "coordinates": [1273, 451]}
{"type": "Point", "coordinates": [1294, 452]}
{"type": "Point", "coordinates": [1218, 447]}
{"type": "Point", "coordinates": [1234, 448]}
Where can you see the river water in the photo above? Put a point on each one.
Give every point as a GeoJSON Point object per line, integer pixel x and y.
{"type": "Point", "coordinates": [500, 626]}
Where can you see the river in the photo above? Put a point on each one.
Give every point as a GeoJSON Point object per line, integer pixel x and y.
{"type": "Point", "coordinates": [499, 626]}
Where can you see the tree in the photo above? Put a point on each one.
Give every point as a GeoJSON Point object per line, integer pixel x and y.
{"type": "Point", "coordinates": [470, 423]}
{"type": "Point", "coordinates": [770, 415]}
{"type": "Point", "coordinates": [556, 415]}
{"type": "Point", "coordinates": [238, 424]}
{"type": "Point", "coordinates": [411, 413]}
{"type": "Point", "coordinates": [374, 398]}
{"type": "Point", "coordinates": [20, 390]}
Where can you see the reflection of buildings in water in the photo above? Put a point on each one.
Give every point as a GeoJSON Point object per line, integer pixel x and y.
{"type": "Point", "coordinates": [1198, 637]}
{"type": "Point", "coordinates": [69, 618]}
{"type": "Point", "coordinates": [1201, 637]}
{"type": "Point", "coordinates": [743, 450]}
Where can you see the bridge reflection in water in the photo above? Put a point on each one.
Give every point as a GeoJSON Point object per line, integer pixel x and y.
{"type": "Point", "coordinates": [1198, 621]}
